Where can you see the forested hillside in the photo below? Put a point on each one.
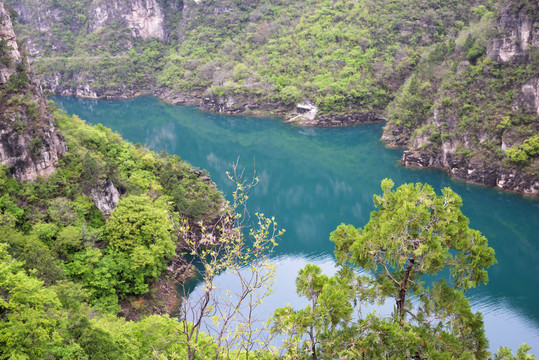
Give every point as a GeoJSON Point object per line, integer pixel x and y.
{"type": "Point", "coordinates": [343, 56]}
{"type": "Point", "coordinates": [456, 80]}
{"type": "Point", "coordinates": [86, 224]}
{"type": "Point", "coordinates": [94, 232]}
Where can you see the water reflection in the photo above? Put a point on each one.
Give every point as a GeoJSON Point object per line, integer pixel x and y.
{"type": "Point", "coordinates": [314, 179]}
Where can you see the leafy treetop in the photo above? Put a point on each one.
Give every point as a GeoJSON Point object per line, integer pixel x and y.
{"type": "Point", "coordinates": [414, 233]}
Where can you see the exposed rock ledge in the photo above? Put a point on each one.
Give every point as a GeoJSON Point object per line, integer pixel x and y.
{"type": "Point", "coordinates": [105, 196]}
{"type": "Point", "coordinates": [338, 120]}
{"type": "Point", "coordinates": [304, 114]}
{"type": "Point", "coordinates": [496, 175]}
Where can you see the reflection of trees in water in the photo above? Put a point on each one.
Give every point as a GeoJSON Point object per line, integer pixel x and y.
{"type": "Point", "coordinates": [314, 179]}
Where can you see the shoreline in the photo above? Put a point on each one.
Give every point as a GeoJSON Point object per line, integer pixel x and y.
{"type": "Point", "coordinates": [250, 108]}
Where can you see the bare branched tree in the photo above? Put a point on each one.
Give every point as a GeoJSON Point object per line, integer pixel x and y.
{"type": "Point", "coordinates": [242, 251]}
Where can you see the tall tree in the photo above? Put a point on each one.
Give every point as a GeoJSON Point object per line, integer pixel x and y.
{"type": "Point", "coordinates": [414, 234]}
{"type": "Point", "coordinates": [330, 305]}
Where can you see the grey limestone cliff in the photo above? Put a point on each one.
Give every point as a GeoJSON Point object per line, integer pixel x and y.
{"type": "Point", "coordinates": [29, 141]}
{"type": "Point", "coordinates": [144, 18]}
{"type": "Point", "coordinates": [518, 32]}
{"type": "Point", "coordinates": [105, 196]}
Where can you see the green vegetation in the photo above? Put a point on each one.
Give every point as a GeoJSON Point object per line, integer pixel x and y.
{"type": "Point", "coordinates": [66, 268]}
{"type": "Point", "coordinates": [53, 226]}
{"type": "Point", "coordinates": [238, 332]}
{"type": "Point", "coordinates": [344, 56]}
{"type": "Point", "coordinates": [412, 235]}
{"type": "Point", "coordinates": [524, 153]}
{"type": "Point", "coordinates": [39, 322]}
{"type": "Point", "coordinates": [420, 64]}
{"type": "Point", "coordinates": [460, 98]}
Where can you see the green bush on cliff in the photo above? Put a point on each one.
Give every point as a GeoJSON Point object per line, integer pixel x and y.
{"type": "Point", "coordinates": [139, 236]}
{"type": "Point", "coordinates": [523, 154]}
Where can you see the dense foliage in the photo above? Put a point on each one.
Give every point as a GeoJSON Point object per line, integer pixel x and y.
{"type": "Point", "coordinates": [344, 55]}
{"type": "Point", "coordinates": [421, 64]}
{"type": "Point", "coordinates": [412, 234]}
{"type": "Point", "coordinates": [56, 322]}
{"type": "Point", "coordinates": [55, 228]}
{"type": "Point", "coordinates": [64, 267]}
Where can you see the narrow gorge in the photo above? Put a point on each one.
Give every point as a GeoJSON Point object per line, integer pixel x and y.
{"type": "Point", "coordinates": [457, 87]}
{"type": "Point", "coordinates": [114, 244]}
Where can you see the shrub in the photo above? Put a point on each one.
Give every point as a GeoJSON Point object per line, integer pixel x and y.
{"type": "Point", "coordinates": [36, 144]}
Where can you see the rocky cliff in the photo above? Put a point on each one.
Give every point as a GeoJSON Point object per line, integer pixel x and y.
{"type": "Point", "coordinates": [73, 45]}
{"type": "Point", "coordinates": [518, 39]}
{"type": "Point", "coordinates": [482, 124]}
{"type": "Point", "coordinates": [518, 32]}
{"type": "Point", "coordinates": [29, 141]}
{"type": "Point", "coordinates": [129, 19]}
{"type": "Point", "coordinates": [144, 18]}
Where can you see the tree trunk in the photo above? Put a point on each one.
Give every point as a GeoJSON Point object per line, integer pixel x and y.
{"type": "Point", "coordinates": [313, 345]}
{"type": "Point", "coordinates": [401, 300]}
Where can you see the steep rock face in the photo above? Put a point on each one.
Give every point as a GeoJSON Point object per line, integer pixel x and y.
{"type": "Point", "coordinates": [29, 141]}
{"type": "Point", "coordinates": [98, 34]}
{"type": "Point", "coordinates": [10, 48]}
{"type": "Point", "coordinates": [518, 31]}
{"type": "Point", "coordinates": [475, 152]}
{"type": "Point", "coordinates": [144, 17]}
{"type": "Point", "coordinates": [140, 18]}
{"type": "Point", "coordinates": [530, 92]}
{"type": "Point", "coordinates": [105, 196]}
{"type": "Point", "coordinates": [43, 18]}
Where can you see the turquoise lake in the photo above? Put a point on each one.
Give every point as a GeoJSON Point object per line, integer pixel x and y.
{"type": "Point", "coordinates": [313, 179]}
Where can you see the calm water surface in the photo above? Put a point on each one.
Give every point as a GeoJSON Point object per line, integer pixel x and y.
{"type": "Point", "coordinates": [313, 179]}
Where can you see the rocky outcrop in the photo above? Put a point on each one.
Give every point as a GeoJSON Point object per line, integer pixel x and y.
{"type": "Point", "coordinates": [530, 94]}
{"type": "Point", "coordinates": [144, 18]}
{"type": "Point", "coordinates": [29, 141]}
{"type": "Point", "coordinates": [82, 86]}
{"type": "Point", "coordinates": [122, 21]}
{"type": "Point", "coordinates": [43, 19]}
{"type": "Point", "coordinates": [397, 136]}
{"type": "Point", "coordinates": [338, 120]}
{"type": "Point", "coordinates": [10, 49]}
{"type": "Point", "coordinates": [26, 164]}
{"type": "Point", "coordinates": [105, 196]}
{"type": "Point", "coordinates": [518, 32]}
{"type": "Point", "coordinates": [233, 105]}
{"type": "Point", "coordinates": [511, 179]}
